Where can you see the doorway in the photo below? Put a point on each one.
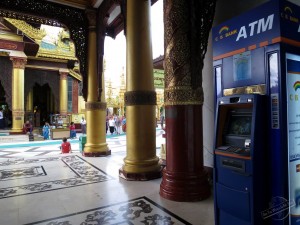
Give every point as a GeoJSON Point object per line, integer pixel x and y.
{"type": "Point", "coordinates": [4, 106]}
{"type": "Point", "coordinates": [42, 103]}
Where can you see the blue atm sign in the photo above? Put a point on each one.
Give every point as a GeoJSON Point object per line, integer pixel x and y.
{"type": "Point", "coordinates": [272, 22]}
{"type": "Point", "coordinates": [259, 26]}
{"type": "Point", "coordinates": [256, 27]}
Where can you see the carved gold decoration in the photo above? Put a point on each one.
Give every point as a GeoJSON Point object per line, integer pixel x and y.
{"type": "Point", "coordinates": [111, 98]}
{"type": "Point", "coordinates": [140, 98]}
{"type": "Point", "coordinates": [254, 89]}
{"type": "Point", "coordinates": [187, 25]}
{"type": "Point", "coordinates": [75, 75]}
{"type": "Point", "coordinates": [18, 63]}
{"type": "Point", "coordinates": [90, 106]}
{"type": "Point", "coordinates": [65, 48]}
{"type": "Point", "coordinates": [10, 37]}
{"type": "Point", "coordinates": [183, 96]}
{"type": "Point", "coordinates": [3, 53]}
{"type": "Point", "coordinates": [30, 31]}
{"type": "Point", "coordinates": [56, 54]}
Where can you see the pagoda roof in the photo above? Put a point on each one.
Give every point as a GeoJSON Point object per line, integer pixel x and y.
{"type": "Point", "coordinates": [50, 45]}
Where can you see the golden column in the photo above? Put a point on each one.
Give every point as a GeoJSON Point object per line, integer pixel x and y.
{"type": "Point", "coordinates": [95, 108]}
{"type": "Point", "coordinates": [63, 92]}
{"type": "Point", "coordinates": [29, 102]}
{"type": "Point", "coordinates": [141, 162]}
{"type": "Point", "coordinates": [18, 94]}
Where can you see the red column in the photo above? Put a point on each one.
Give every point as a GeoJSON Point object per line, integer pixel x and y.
{"type": "Point", "coordinates": [75, 96]}
{"type": "Point", "coordinates": [187, 25]}
{"type": "Point", "coordinates": [184, 178]}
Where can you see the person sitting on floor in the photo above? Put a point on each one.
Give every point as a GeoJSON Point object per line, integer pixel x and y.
{"type": "Point", "coordinates": [65, 146]}
{"type": "Point", "coordinates": [27, 127]}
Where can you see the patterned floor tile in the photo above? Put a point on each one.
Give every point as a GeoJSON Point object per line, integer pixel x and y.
{"type": "Point", "coordinates": [140, 211]}
{"type": "Point", "coordinates": [55, 173]}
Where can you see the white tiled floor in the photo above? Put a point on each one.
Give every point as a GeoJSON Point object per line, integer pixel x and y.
{"type": "Point", "coordinates": [53, 199]}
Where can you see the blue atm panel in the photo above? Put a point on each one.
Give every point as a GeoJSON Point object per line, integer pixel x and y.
{"type": "Point", "coordinates": [240, 160]}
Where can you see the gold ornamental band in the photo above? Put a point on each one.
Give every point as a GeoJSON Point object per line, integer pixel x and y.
{"type": "Point", "coordinates": [183, 96]}
{"type": "Point", "coordinates": [18, 113]}
{"type": "Point", "coordinates": [140, 98]}
{"type": "Point", "coordinates": [90, 106]}
{"type": "Point", "coordinates": [254, 89]}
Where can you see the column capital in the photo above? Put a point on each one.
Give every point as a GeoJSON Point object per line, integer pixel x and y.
{"type": "Point", "coordinates": [18, 62]}
{"type": "Point", "coordinates": [63, 74]}
{"type": "Point", "coordinates": [91, 16]}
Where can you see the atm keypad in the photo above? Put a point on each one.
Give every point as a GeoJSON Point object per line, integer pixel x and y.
{"type": "Point", "coordinates": [235, 150]}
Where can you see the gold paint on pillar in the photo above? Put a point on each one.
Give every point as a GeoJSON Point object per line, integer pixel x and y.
{"type": "Point", "coordinates": [63, 92]}
{"type": "Point", "coordinates": [96, 134]}
{"type": "Point", "coordinates": [18, 93]}
{"type": "Point", "coordinates": [141, 162]}
{"type": "Point", "coordinates": [95, 110]}
{"type": "Point", "coordinates": [29, 102]}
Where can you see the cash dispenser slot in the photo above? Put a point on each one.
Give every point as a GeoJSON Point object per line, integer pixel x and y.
{"type": "Point", "coordinates": [233, 164]}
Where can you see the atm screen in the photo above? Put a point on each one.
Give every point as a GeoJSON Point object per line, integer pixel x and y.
{"type": "Point", "coordinates": [239, 124]}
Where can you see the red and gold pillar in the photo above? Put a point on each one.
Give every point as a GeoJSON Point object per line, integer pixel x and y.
{"type": "Point", "coordinates": [18, 94]}
{"type": "Point", "coordinates": [95, 108]}
{"type": "Point", "coordinates": [184, 178]}
{"type": "Point", "coordinates": [63, 92]}
{"type": "Point", "coordinates": [141, 162]}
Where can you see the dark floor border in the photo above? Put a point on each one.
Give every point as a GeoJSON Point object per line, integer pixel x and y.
{"type": "Point", "coordinates": [53, 189]}
{"type": "Point", "coordinates": [102, 207]}
{"type": "Point", "coordinates": [167, 211]}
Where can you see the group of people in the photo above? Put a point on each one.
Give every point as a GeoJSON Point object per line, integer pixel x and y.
{"type": "Point", "coordinates": [115, 124]}
{"type": "Point", "coordinates": [28, 128]}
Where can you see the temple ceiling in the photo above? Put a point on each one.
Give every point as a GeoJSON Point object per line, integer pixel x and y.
{"type": "Point", "coordinates": [70, 14]}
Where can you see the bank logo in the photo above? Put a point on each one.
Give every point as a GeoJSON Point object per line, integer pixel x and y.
{"type": "Point", "coordinates": [223, 29]}
{"type": "Point", "coordinates": [225, 32]}
{"type": "Point", "coordinates": [296, 85]}
{"type": "Point", "coordinates": [288, 14]}
{"type": "Point", "coordinates": [288, 10]}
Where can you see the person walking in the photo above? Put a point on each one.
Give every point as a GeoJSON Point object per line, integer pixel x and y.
{"type": "Point", "coordinates": [111, 124]}
{"type": "Point", "coordinates": [124, 124]}
{"type": "Point", "coordinates": [83, 125]}
{"type": "Point", "coordinates": [118, 124]}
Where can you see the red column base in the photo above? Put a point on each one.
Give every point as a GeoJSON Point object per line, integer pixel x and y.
{"type": "Point", "coordinates": [184, 187]}
{"type": "Point", "coordinates": [97, 154]}
{"type": "Point", "coordinates": [140, 176]}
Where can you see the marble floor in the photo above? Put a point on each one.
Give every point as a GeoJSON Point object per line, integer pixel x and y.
{"type": "Point", "coordinates": [40, 186]}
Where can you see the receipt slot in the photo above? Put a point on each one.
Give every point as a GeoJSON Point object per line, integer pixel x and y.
{"type": "Point", "coordinates": [240, 160]}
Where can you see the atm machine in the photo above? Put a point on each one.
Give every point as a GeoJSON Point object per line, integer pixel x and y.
{"type": "Point", "coordinates": [240, 158]}
{"type": "Point", "coordinates": [257, 84]}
